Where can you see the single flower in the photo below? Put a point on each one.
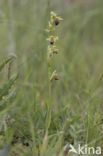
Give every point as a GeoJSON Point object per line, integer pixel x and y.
{"type": "Point", "coordinates": [54, 76]}
{"type": "Point", "coordinates": [52, 39]}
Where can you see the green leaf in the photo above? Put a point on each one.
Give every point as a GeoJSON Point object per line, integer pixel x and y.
{"type": "Point", "coordinates": [2, 65]}
{"type": "Point", "coordinates": [5, 89]}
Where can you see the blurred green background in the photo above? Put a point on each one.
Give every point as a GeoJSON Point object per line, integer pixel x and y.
{"type": "Point", "coordinates": [22, 25]}
{"type": "Point", "coordinates": [79, 63]}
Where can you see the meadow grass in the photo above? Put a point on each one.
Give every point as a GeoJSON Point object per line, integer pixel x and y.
{"type": "Point", "coordinates": [76, 98]}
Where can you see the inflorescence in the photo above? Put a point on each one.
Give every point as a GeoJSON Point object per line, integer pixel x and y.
{"type": "Point", "coordinates": [52, 49]}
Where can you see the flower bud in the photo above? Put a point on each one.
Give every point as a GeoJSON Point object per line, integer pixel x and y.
{"type": "Point", "coordinates": [55, 52]}
{"type": "Point", "coordinates": [48, 60]}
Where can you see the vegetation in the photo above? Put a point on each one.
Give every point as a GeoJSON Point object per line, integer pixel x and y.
{"type": "Point", "coordinates": [38, 115]}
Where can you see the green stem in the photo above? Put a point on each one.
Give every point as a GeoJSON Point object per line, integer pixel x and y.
{"type": "Point", "coordinates": [49, 101]}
